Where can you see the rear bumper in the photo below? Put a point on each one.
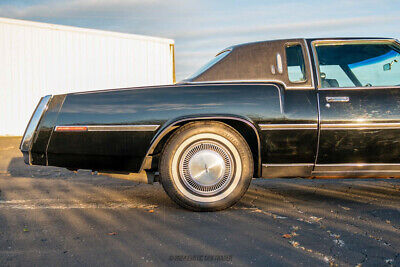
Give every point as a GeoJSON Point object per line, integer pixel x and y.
{"type": "Point", "coordinates": [26, 157]}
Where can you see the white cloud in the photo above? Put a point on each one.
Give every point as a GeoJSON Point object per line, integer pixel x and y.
{"type": "Point", "coordinates": [201, 28]}
{"type": "Point", "coordinates": [314, 25]}
{"type": "Point", "coordinates": [74, 7]}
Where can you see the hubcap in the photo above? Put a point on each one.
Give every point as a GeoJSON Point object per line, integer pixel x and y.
{"type": "Point", "coordinates": [206, 168]}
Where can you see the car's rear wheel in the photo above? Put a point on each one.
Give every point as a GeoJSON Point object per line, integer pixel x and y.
{"type": "Point", "coordinates": [206, 166]}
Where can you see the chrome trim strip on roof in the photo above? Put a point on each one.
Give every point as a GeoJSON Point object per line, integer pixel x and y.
{"type": "Point", "coordinates": [359, 126]}
{"type": "Point", "coordinates": [269, 81]}
{"type": "Point", "coordinates": [184, 84]}
{"type": "Point", "coordinates": [114, 128]}
{"type": "Point", "coordinates": [223, 51]}
{"type": "Point", "coordinates": [302, 126]}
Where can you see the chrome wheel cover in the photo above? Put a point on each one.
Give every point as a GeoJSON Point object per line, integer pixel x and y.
{"type": "Point", "coordinates": [206, 168]}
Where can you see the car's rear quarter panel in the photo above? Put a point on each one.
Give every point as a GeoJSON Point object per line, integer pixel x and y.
{"type": "Point", "coordinates": [44, 131]}
{"type": "Point", "coordinates": [125, 151]}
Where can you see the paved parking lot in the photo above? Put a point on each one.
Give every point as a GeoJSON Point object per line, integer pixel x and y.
{"type": "Point", "coordinates": [51, 216]}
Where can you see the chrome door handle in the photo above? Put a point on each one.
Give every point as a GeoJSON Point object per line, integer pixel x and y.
{"type": "Point", "coordinates": [341, 99]}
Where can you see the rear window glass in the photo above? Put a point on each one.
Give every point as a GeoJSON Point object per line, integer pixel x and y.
{"type": "Point", "coordinates": [211, 63]}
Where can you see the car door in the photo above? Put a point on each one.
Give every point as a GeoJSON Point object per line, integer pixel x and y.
{"type": "Point", "coordinates": [359, 102]}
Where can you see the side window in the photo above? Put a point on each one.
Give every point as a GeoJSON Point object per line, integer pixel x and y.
{"type": "Point", "coordinates": [333, 74]}
{"type": "Point", "coordinates": [358, 64]}
{"type": "Point", "coordinates": [295, 63]}
{"type": "Point", "coordinates": [383, 71]}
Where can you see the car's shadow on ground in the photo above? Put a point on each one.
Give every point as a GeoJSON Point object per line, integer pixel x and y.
{"type": "Point", "coordinates": [306, 221]}
{"type": "Point", "coordinates": [17, 168]}
{"type": "Point", "coordinates": [267, 191]}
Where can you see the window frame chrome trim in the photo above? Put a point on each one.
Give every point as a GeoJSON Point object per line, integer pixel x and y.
{"type": "Point", "coordinates": [332, 41]}
{"type": "Point", "coordinates": [304, 51]}
{"type": "Point", "coordinates": [310, 64]}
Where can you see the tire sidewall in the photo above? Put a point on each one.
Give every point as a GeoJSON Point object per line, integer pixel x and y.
{"type": "Point", "coordinates": [168, 170]}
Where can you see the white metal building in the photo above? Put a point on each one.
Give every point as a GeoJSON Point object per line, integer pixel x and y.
{"type": "Point", "coordinates": [37, 59]}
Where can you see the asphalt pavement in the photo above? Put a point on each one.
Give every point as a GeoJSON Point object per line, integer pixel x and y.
{"type": "Point", "coordinates": [50, 216]}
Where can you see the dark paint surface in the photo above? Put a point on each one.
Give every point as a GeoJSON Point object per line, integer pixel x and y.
{"type": "Point", "coordinates": [45, 129]}
{"type": "Point", "coordinates": [157, 105]}
{"type": "Point", "coordinates": [296, 145]}
{"type": "Point", "coordinates": [360, 145]}
{"type": "Point", "coordinates": [257, 103]}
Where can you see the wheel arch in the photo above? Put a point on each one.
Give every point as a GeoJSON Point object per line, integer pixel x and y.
{"type": "Point", "coordinates": [244, 126]}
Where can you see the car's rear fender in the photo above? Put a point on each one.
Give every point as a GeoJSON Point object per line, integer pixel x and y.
{"type": "Point", "coordinates": [243, 125]}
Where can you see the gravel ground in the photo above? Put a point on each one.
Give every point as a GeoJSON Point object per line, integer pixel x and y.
{"type": "Point", "coordinates": [51, 216]}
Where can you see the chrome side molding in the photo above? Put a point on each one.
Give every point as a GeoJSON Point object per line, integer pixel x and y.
{"type": "Point", "coordinates": [356, 167]}
{"type": "Point", "coordinates": [107, 128]}
{"type": "Point", "coordinates": [331, 126]}
{"type": "Point", "coordinates": [308, 126]}
{"type": "Point", "coordinates": [359, 126]}
{"type": "Point", "coordinates": [343, 170]}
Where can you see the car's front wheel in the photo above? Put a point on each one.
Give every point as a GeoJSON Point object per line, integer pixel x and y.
{"type": "Point", "coordinates": [206, 166]}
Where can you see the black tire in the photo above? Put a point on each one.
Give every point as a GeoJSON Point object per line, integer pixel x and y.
{"type": "Point", "coordinates": [206, 166]}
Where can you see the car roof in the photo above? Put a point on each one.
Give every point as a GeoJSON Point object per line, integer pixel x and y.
{"type": "Point", "coordinates": [249, 61]}
{"type": "Point", "coordinates": [309, 40]}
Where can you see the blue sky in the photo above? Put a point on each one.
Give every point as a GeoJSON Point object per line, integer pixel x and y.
{"type": "Point", "coordinates": [201, 28]}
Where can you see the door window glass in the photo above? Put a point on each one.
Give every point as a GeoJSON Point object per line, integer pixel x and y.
{"type": "Point", "coordinates": [334, 71]}
{"type": "Point", "coordinates": [356, 64]}
{"type": "Point", "coordinates": [295, 63]}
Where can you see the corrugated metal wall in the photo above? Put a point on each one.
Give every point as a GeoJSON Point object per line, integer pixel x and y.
{"type": "Point", "coordinates": [37, 59]}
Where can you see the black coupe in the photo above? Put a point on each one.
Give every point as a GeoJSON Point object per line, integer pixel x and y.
{"type": "Point", "coordinates": [282, 108]}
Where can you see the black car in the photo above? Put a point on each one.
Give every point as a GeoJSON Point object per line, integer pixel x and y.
{"type": "Point", "coordinates": [282, 108]}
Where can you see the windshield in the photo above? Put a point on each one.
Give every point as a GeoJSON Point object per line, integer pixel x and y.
{"type": "Point", "coordinates": [211, 63]}
{"type": "Point", "coordinates": [357, 64]}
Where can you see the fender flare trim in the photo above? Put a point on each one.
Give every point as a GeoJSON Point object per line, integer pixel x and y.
{"type": "Point", "coordinates": [173, 125]}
